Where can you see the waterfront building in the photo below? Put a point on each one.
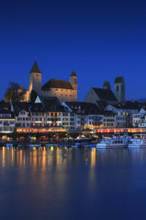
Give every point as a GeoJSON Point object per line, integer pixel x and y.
{"type": "Point", "coordinates": [38, 115]}
{"type": "Point", "coordinates": [7, 119]}
{"type": "Point", "coordinates": [124, 112]}
{"type": "Point", "coordinates": [87, 115]}
{"type": "Point", "coordinates": [142, 122]}
{"type": "Point", "coordinates": [139, 118]}
{"type": "Point", "coordinates": [109, 120]}
{"type": "Point", "coordinates": [22, 114]}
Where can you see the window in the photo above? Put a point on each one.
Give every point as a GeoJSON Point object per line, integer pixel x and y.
{"type": "Point", "coordinates": [65, 114]}
{"type": "Point", "coordinates": [117, 88]}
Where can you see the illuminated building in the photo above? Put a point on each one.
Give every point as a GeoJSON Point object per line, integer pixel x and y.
{"type": "Point", "coordinates": [63, 90]}
{"type": "Point", "coordinates": [7, 119]}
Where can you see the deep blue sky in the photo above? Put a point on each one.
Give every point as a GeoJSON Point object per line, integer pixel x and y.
{"type": "Point", "coordinates": [98, 39]}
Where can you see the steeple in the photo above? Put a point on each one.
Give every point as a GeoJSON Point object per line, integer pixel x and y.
{"type": "Point", "coordinates": [35, 68]}
{"type": "Point", "coordinates": [106, 85]}
{"type": "Point", "coordinates": [73, 73]}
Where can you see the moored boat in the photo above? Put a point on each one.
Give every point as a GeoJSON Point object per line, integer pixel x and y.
{"type": "Point", "coordinates": [114, 142]}
{"type": "Point", "coordinates": [83, 142]}
{"type": "Point", "coordinates": [139, 140]}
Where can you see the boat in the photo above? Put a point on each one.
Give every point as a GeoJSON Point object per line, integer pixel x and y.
{"type": "Point", "coordinates": [114, 142]}
{"type": "Point", "coordinates": [138, 140]}
{"type": "Point", "coordinates": [9, 145]}
{"type": "Point", "coordinates": [83, 142]}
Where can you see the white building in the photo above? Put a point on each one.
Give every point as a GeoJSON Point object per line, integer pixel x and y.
{"type": "Point", "coordinates": [7, 119]}
{"type": "Point", "coordinates": [139, 118]}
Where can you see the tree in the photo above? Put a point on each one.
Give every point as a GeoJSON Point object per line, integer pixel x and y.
{"type": "Point", "coordinates": [15, 93]}
{"type": "Point", "coordinates": [2, 101]}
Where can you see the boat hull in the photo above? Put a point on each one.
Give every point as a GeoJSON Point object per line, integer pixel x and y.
{"type": "Point", "coordinates": [136, 145]}
{"type": "Point", "coordinates": [106, 146]}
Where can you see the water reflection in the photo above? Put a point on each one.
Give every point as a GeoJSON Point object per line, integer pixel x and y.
{"type": "Point", "coordinates": [58, 158]}
{"type": "Point", "coordinates": [78, 183]}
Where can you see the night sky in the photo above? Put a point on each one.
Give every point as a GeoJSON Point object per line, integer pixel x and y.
{"type": "Point", "coordinates": [98, 39]}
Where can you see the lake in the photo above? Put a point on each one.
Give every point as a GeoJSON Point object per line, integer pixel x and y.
{"type": "Point", "coordinates": [60, 183]}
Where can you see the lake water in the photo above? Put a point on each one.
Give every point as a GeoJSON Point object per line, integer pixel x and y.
{"type": "Point", "coordinates": [71, 184]}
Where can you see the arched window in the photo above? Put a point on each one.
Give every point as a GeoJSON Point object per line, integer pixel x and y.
{"type": "Point", "coordinates": [117, 88]}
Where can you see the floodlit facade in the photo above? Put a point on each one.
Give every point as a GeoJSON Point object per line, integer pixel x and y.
{"type": "Point", "coordinates": [62, 89]}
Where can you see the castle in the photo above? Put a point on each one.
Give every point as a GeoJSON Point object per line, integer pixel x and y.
{"type": "Point", "coordinates": [63, 90]}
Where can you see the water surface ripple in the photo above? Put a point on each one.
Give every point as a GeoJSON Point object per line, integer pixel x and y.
{"type": "Point", "coordinates": [58, 183]}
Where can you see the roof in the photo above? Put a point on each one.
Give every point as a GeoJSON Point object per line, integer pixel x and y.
{"type": "Point", "coordinates": [101, 104]}
{"type": "Point", "coordinates": [105, 94]}
{"type": "Point", "coordinates": [119, 79]}
{"type": "Point", "coordinates": [5, 108]}
{"type": "Point", "coordinates": [36, 107]}
{"type": "Point", "coordinates": [73, 73]}
{"type": "Point", "coordinates": [83, 108]}
{"type": "Point", "coordinates": [20, 106]}
{"type": "Point", "coordinates": [130, 105]}
{"type": "Point", "coordinates": [35, 68]}
{"type": "Point", "coordinates": [108, 113]}
{"type": "Point", "coordinates": [56, 83]}
{"type": "Point", "coordinates": [51, 104]}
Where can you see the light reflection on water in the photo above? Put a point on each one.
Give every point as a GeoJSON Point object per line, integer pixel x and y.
{"type": "Point", "coordinates": [58, 183]}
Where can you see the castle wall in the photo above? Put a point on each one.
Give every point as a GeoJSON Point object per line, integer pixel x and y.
{"type": "Point", "coordinates": [67, 95]}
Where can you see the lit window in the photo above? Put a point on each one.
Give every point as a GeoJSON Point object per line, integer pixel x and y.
{"type": "Point", "coordinates": [119, 113]}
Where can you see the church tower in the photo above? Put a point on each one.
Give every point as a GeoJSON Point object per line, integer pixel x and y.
{"type": "Point", "coordinates": [35, 79]}
{"type": "Point", "coordinates": [119, 89]}
{"type": "Point", "coordinates": [106, 85]}
{"type": "Point", "coordinates": [73, 82]}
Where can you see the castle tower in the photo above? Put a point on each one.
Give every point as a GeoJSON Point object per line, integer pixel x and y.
{"type": "Point", "coordinates": [119, 88]}
{"type": "Point", "coordinates": [35, 79]}
{"type": "Point", "coordinates": [73, 82]}
{"type": "Point", "coordinates": [106, 85]}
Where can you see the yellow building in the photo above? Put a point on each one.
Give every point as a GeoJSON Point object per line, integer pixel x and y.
{"type": "Point", "coordinates": [63, 90]}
